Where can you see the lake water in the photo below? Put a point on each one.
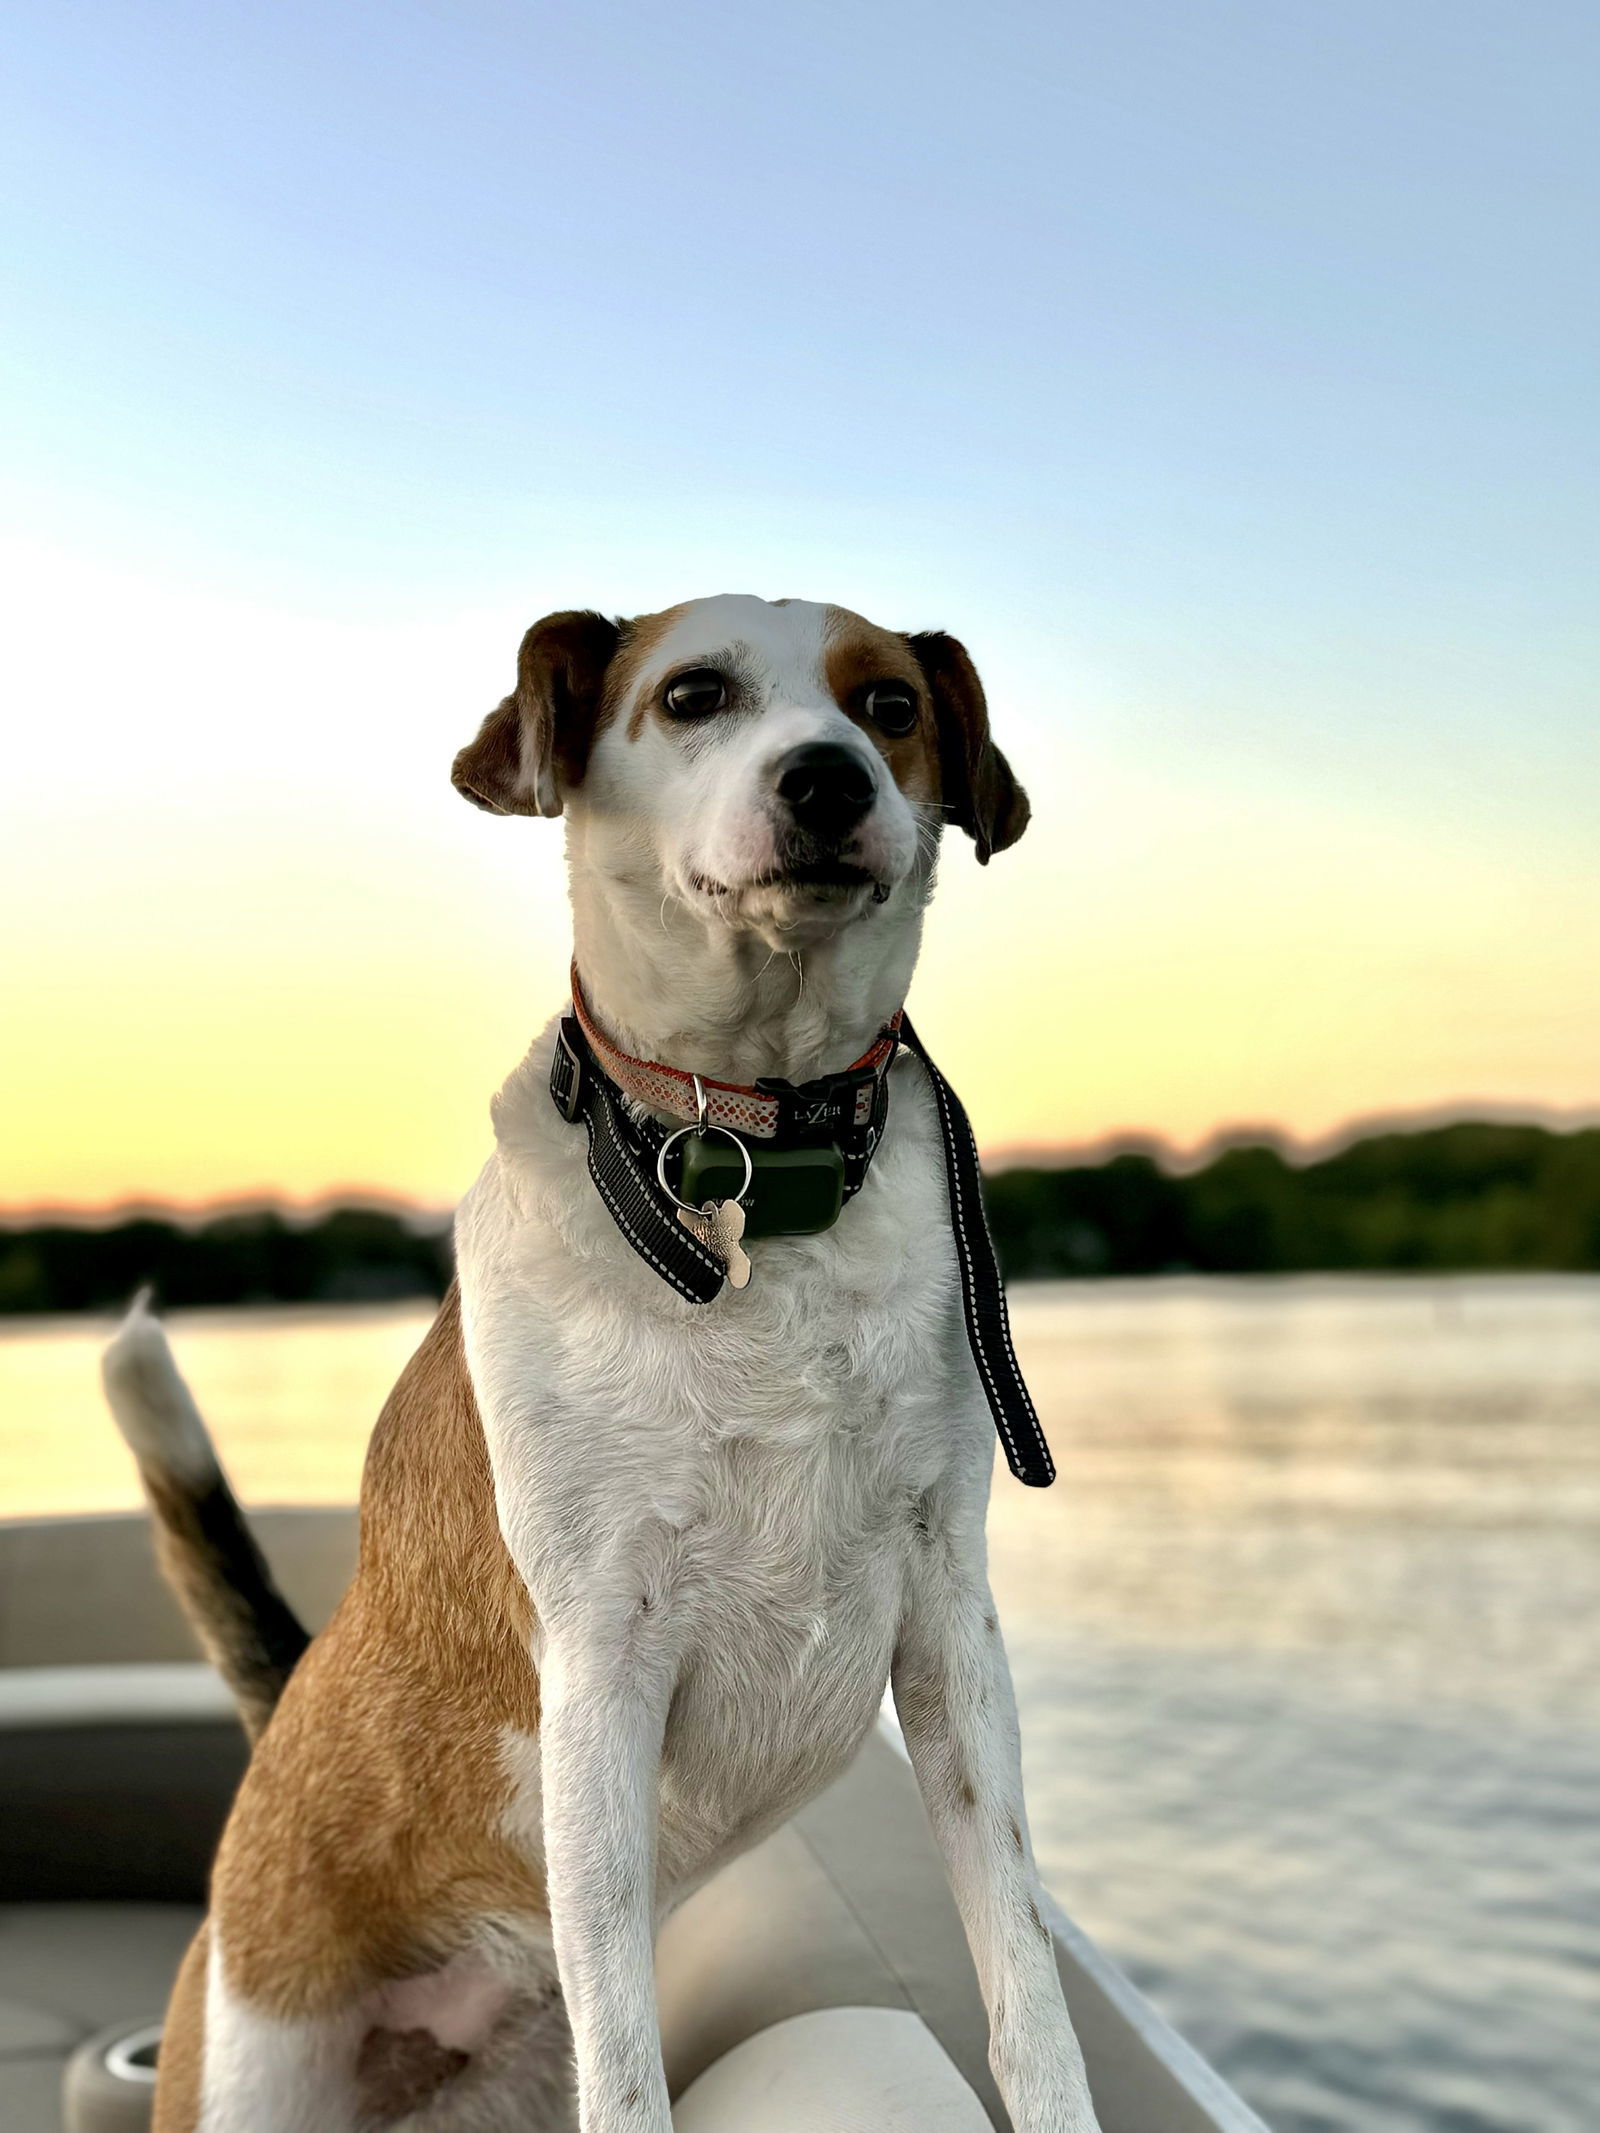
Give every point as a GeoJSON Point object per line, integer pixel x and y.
{"type": "Point", "coordinates": [1306, 1638]}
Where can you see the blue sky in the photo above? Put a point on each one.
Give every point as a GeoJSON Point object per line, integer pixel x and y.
{"type": "Point", "coordinates": [1226, 374]}
{"type": "Point", "coordinates": [1220, 346]}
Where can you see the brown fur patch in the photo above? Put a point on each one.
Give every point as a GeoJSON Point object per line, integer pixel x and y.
{"type": "Point", "coordinates": [549, 719]}
{"type": "Point", "coordinates": [366, 1834]}
{"type": "Point", "coordinates": [177, 2104]}
{"type": "Point", "coordinates": [980, 794]}
{"type": "Point", "coordinates": [858, 653]}
{"type": "Point", "coordinates": [640, 638]}
{"type": "Point", "coordinates": [399, 2069]}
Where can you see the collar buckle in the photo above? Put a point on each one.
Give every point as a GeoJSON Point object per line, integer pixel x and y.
{"type": "Point", "coordinates": [828, 1108]}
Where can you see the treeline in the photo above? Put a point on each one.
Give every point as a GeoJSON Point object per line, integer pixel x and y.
{"type": "Point", "coordinates": [1455, 1198]}
{"type": "Point", "coordinates": [1450, 1199]}
{"type": "Point", "coordinates": [352, 1255]}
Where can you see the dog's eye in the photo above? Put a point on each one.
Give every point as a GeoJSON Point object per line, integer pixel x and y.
{"type": "Point", "coordinates": [891, 706]}
{"type": "Point", "coordinates": [696, 695]}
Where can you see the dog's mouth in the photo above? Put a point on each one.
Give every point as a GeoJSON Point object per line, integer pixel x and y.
{"type": "Point", "coordinates": [828, 877]}
{"type": "Point", "coordinates": [814, 874]}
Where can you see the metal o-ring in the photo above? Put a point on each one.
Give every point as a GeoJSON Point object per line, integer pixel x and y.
{"type": "Point", "coordinates": [671, 1142]}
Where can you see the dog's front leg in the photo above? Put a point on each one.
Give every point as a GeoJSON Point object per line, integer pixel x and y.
{"type": "Point", "coordinates": [604, 1696]}
{"type": "Point", "coordinates": [952, 1690]}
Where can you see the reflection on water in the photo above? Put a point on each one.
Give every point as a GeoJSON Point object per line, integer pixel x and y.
{"type": "Point", "coordinates": [1305, 1642]}
{"type": "Point", "coordinates": [292, 1395]}
{"type": "Point", "coordinates": [1396, 1481]}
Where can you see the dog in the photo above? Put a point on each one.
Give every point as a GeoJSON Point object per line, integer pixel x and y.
{"type": "Point", "coordinates": [634, 1569]}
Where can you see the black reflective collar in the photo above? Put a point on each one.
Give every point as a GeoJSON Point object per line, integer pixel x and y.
{"type": "Point", "coordinates": [836, 1110]}
{"type": "Point", "coordinates": [625, 1145]}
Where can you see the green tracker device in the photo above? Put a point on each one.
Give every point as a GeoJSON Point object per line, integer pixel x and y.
{"type": "Point", "coordinates": [794, 1192]}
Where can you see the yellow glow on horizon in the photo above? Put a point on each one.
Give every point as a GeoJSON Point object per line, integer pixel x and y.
{"type": "Point", "coordinates": [258, 947]}
{"type": "Point", "coordinates": [356, 1042]}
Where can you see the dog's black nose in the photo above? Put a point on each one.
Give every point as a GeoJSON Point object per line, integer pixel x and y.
{"type": "Point", "coordinates": [828, 788]}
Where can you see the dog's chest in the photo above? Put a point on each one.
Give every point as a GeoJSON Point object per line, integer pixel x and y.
{"type": "Point", "coordinates": [788, 1557]}
{"type": "Point", "coordinates": [746, 1475]}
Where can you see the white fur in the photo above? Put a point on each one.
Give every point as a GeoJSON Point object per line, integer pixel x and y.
{"type": "Point", "coordinates": [261, 2074]}
{"type": "Point", "coordinates": [734, 1520]}
{"type": "Point", "coordinates": [154, 1408]}
{"type": "Point", "coordinates": [265, 2074]}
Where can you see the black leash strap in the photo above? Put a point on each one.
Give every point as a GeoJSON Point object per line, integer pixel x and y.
{"type": "Point", "coordinates": [624, 1174]}
{"type": "Point", "coordinates": [622, 1153]}
{"type": "Point", "coordinates": [983, 1296]}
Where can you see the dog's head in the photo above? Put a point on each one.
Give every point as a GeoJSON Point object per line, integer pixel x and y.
{"type": "Point", "coordinates": [786, 765]}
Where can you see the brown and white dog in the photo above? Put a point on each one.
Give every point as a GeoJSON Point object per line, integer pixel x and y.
{"type": "Point", "coordinates": [634, 1571]}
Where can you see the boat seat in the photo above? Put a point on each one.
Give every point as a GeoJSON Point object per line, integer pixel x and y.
{"type": "Point", "coordinates": [118, 1756]}
{"type": "Point", "coordinates": [116, 1781]}
{"type": "Point", "coordinates": [68, 1971]}
{"type": "Point", "coordinates": [846, 2070]}
{"type": "Point", "coordinates": [845, 1906]}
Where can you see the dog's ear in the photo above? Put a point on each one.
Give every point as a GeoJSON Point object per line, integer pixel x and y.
{"type": "Point", "coordinates": [980, 794]}
{"type": "Point", "coordinates": [534, 745]}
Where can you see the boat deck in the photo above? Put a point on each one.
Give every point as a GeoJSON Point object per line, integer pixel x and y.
{"type": "Point", "coordinates": [118, 1755]}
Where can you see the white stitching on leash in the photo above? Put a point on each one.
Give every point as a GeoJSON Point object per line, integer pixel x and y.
{"type": "Point", "coordinates": [966, 1257]}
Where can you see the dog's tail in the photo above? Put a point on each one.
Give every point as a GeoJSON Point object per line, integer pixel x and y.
{"type": "Point", "coordinates": [221, 1580]}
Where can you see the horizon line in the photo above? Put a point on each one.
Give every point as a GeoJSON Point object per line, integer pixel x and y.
{"type": "Point", "coordinates": [1174, 1157]}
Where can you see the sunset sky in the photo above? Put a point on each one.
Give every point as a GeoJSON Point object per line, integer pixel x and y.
{"type": "Point", "coordinates": [1224, 375]}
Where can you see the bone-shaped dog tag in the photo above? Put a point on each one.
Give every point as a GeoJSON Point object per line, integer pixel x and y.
{"type": "Point", "coordinates": [718, 1225]}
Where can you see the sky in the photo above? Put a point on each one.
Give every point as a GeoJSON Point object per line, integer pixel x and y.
{"type": "Point", "coordinates": [1223, 374]}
